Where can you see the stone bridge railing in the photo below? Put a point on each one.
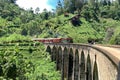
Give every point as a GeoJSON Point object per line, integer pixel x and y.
{"type": "Point", "coordinates": [84, 62]}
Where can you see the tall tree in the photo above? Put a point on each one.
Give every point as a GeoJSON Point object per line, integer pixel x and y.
{"type": "Point", "coordinates": [45, 14]}
{"type": "Point", "coordinates": [96, 7]}
{"type": "Point", "coordinates": [37, 10]}
{"type": "Point", "coordinates": [66, 5]}
{"type": "Point", "coordinates": [59, 8]}
{"type": "Point", "coordinates": [79, 4]}
{"type": "Point", "coordinates": [72, 5]}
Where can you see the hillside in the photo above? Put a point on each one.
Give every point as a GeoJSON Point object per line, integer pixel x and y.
{"type": "Point", "coordinates": [23, 59]}
{"type": "Point", "coordinates": [62, 27]}
{"type": "Point", "coordinates": [20, 24]}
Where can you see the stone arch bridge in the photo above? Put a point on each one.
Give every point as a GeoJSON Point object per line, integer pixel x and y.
{"type": "Point", "coordinates": [85, 62]}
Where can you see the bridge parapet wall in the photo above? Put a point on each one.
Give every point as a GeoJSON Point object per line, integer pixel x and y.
{"type": "Point", "coordinates": [107, 70]}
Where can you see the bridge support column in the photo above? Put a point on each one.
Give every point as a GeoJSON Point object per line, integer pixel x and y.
{"type": "Point", "coordinates": [65, 59]}
{"type": "Point", "coordinates": [95, 70]}
{"type": "Point", "coordinates": [59, 59]}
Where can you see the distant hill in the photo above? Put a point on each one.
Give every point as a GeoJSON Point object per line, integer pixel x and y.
{"type": "Point", "coordinates": [88, 24]}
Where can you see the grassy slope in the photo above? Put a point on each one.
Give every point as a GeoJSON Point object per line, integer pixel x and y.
{"type": "Point", "coordinates": [66, 29]}
{"type": "Point", "coordinates": [61, 27]}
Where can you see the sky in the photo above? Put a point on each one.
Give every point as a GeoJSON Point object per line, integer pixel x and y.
{"type": "Point", "coordinates": [42, 4]}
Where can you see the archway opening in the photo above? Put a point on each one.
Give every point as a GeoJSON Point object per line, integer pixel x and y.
{"type": "Point", "coordinates": [48, 50]}
{"type": "Point", "coordinates": [95, 71]}
{"type": "Point", "coordinates": [59, 58]}
{"type": "Point", "coordinates": [70, 67]}
{"type": "Point", "coordinates": [76, 65]}
{"type": "Point", "coordinates": [82, 66]}
{"type": "Point", "coordinates": [54, 54]}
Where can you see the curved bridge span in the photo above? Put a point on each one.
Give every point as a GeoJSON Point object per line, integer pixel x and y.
{"type": "Point", "coordinates": [85, 62]}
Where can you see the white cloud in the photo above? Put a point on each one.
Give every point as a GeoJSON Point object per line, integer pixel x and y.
{"type": "Point", "coordinates": [42, 4]}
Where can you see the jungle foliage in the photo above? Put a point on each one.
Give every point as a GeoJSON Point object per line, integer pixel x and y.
{"type": "Point", "coordinates": [79, 19]}
{"type": "Point", "coordinates": [26, 61]}
{"type": "Point", "coordinates": [82, 20]}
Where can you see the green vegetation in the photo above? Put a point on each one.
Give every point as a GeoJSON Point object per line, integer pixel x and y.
{"type": "Point", "coordinates": [79, 19]}
{"type": "Point", "coordinates": [82, 20]}
{"type": "Point", "coordinates": [26, 62]}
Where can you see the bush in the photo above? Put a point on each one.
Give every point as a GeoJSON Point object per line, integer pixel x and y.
{"type": "Point", "coordinates": [117, 39]}
{"type": "Point", "coordinates": [2, 32]}
{"type": "Point", "coordinates": [14, 38]}
{"type": "Point", "coordinates": [89, 13]}
{"type": "Point", "coordinates": [20, 65]}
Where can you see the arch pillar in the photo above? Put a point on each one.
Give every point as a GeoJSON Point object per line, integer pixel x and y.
{"type": "Point", "coordinates": [82, 66]}
{"type": "Point", "coordinates": [76, 65]}
{"type": "Point", "coordinates": [95, 70]}
{"type": "Point", "coordinates": [65, 59]}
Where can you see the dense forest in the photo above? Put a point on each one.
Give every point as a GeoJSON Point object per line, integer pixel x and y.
{"type": "Point", "coordinates": [82, 20]}
{"type": "Point", "coordinates": [26, 61]}
{"type": "Point", "coordinates": [86, 19]}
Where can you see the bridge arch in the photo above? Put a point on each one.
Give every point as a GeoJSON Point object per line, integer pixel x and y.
{"type": "Point", "coordinates": [76, 65]}
{"type": "Point", "coordinates": [48, 49]}
{"type": "Point", "coordinates": [95, 70]}
{"type": "Point", "coordinates": [82, 66]}
{"type": "Point", "coordinates": [54, 53]}
{"type": "Point", "coordinates": [70, 66]}
{"type": "Point", "coordinates": [59, 58]}
{"type": "Point", "coordinates": [88, 68]}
